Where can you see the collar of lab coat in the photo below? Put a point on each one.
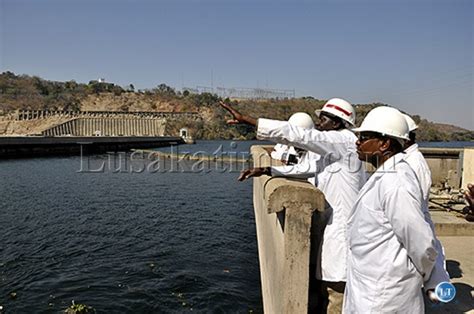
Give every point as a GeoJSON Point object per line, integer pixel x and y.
{"type": "Point", "coordinates": [412, 148]}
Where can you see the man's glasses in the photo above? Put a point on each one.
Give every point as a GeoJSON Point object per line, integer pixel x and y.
{"type": "Point", "coordinates": [367, 136]}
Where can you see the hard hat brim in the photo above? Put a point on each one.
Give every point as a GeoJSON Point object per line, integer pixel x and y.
{"type": "Point", "coordinates": [319, 111]}
{"type": "Point", "coordinates": [360, 130]}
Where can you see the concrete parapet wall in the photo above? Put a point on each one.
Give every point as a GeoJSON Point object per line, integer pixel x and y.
{"type": "Point", "coordinates": [283, 213]}
{"type": "Point", "coordinates": [445, 164]}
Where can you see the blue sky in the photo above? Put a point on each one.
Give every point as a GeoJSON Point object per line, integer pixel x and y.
{"type": "Point", "coordinates": [415, 55]}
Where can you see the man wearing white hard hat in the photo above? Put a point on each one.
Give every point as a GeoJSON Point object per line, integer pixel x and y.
{"type": "Point", "coordinates": [339, 176]}
{"type": "Point", "coordinates": [418, 163]}
{"type": "Point", "coordinates": [392, 248]}
{"type": "Point", "coordinates": [288, 154]}
{"type": "Point", "coordinates": [299, 163]}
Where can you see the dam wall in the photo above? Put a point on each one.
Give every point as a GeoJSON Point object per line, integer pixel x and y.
{"type": "Point", "coordinates": [21, 115]}
{"type": "Point", "coordinates": [92, 126]}
{"type": "Point", "coordinates": [93, 123]}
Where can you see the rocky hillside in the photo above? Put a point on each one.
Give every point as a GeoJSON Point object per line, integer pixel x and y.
{"type": "Point", "coordinates": [27, 92]}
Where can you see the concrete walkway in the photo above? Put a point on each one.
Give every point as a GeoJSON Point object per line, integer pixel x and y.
{"type": "Point", "coordinates": [451, 224]}
{"type": "Point", "coordinates": [457, 236]}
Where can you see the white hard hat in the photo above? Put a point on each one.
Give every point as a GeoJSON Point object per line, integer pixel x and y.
{"type": "Point", "coordinates": [387, 121]}
{"type": "Point", "coordinates": [340, 108]}
{"type": "Point", "coordinates": [412, 126]}
{"type": "Point", "coordinates": [301, 119]}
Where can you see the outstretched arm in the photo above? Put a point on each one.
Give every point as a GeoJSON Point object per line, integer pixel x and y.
{"type": "Point", "coordinates": [238, 118]}
{"type": "Point", "coordinates": [254, 172]}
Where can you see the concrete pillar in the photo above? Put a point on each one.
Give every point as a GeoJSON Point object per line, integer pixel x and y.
{"type": "Point", "coordinates": [284, 251]}
{"type": "Point", "coordinates": [155, 127]}
{"type": "Point", "coordinates": [108, 123]}
{"type": "Point", "coordinates": [87, 126]}
{"type": "Point", "coordinates": [467, 167]}
{"type": "Point", "coordinates": [145, 122]}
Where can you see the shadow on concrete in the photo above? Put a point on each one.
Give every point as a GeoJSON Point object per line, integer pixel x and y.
{"type": "Point", "coordinates": [454, 269]}
{"type": "Point", "coordinates": [463, 302]}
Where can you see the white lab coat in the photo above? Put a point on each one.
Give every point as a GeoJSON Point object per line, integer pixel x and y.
{"type": "Point", "coordinates": [391, 246]}
{"type": "Point", "coordinates": [304, 169]}
{"type": "Point", "coordinates": [279, 150]}
{"type": "Point", "coordinates": [339, 175]}
{"type": "Point", "coordinates": [417, 162]}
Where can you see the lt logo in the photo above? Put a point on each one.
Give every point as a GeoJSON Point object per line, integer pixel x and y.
{"type": "Point", "coordinates": [445, 292]}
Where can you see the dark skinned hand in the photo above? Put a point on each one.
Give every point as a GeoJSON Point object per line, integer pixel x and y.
{"type": "Point", "coordinates": [238, 118]}
{"type": "Point", "coordinates": [253, 172]}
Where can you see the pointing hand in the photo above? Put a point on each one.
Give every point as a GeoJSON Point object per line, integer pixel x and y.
{"type": "Point", "coordinates": [238, 118]}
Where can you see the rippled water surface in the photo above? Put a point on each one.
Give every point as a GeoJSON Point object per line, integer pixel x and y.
{"type": "Point", "coordinates": [119, 241]}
